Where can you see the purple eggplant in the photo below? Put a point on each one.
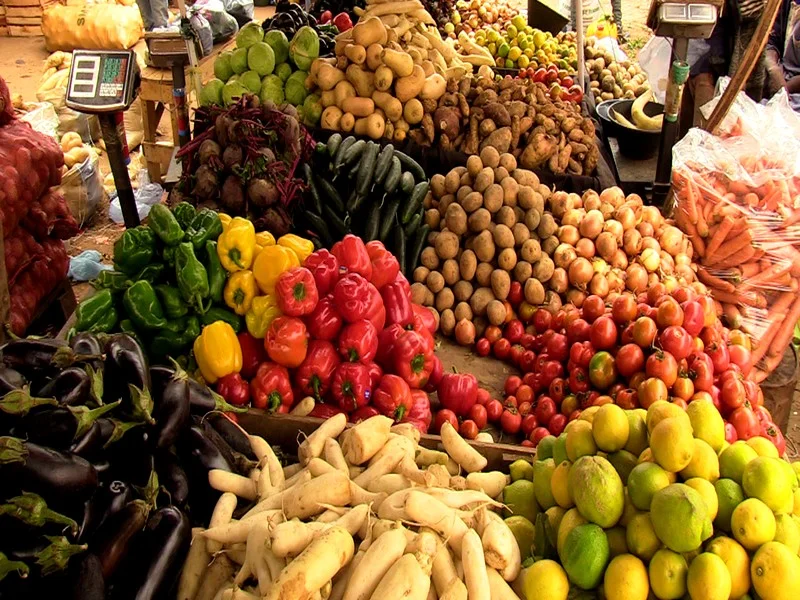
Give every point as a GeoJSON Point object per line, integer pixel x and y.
{"type": "Point", "coordinates": [71, 387]}
{"type": "Point", "coordinates": [10, 380]}
{"type": "Point", "coordinates": [37, 358]}
{"type": "Point", "coordinates": [108, 500]}
{"type": "Point", "coordinates": [86, 579]}
{"type": "Point", "coordinates": [58, 427]}
{"type": "Point", "coordinates": [126, 377]}
{"type": "Point", "coordinates": [172, 478]}
{"type": "Point", "coordinates": [231, 433]}
{"type": "Point", "coordinates": [171, 411]}
{"type": "Point", "coordinates": [113, 540]}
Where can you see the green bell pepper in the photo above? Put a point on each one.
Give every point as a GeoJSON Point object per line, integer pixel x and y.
{"type": "Point", "coordinates": [151, 272]}
{"type": "Point", "coordinates": [116, 281]}
{"type": "Point", "coordinates": [192, 277]}
{"type": "Point", "coordinates": [106, 322]}
{"type": "Point", "coordinates": [216, 274]}
{"type": "Point", "coordinates": [142, 305]}
{"type": "Point", "coordinates": [205, 226]}
{"type": "Point", "coordinates": [184, 214]}
{"type": "Point", "coordinates": [127, 326]}
{"type": "Point", "coordinates": [217, 313]}
{"type": "Point", "coordinates": [172, 301]}
{"type": "Point", "coordinates": [93, 310]}
{"type": "Point", "coordinates": [134, 250]}
{"type": "Point", "coordinates": [168, 256]}
{"type": "Point", "coordinates": [165, 225]}
{"type": "Point", "coordinates": [166, 343]}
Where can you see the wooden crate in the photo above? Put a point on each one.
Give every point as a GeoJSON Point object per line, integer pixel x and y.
{"type": "Point", "coordinates": [23, 18]}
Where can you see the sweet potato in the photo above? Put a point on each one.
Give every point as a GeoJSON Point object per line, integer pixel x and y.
{"type": "Point", "coordinates": [499, 139]}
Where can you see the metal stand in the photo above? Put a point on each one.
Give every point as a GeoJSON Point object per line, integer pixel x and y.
{"type": "Point", "coordinates": [179, 100]}
{"type": "Point", "coordinates": [116, 158]}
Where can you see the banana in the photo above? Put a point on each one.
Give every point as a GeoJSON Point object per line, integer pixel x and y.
{"type": "Point", "coordinates": [623, 121]}
{"type": "Point", "coordinates": [640, 119]}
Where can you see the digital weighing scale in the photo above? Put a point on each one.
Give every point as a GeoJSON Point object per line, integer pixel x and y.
{"type": "Point", "coordinates": [104, 83]}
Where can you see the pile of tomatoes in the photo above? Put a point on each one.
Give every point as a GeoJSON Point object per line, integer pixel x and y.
{"type": "Point", "coordinates": [632, 351]}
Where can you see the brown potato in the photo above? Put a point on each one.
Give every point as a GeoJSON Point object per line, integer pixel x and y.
{"type": "Point", "coordinates": [421, 274]}
{"type": "Point", "coordinates": [474, 165]}
{"type": "Point", "coordinates": [428, 258]}
{"type": "Point", "coordinates": [503, 237]}
{"type": "Point", "coordinates": [547, 226]}
{"type": "Point", "coordinates": [444, 299]}
{"type": "Point", "coordinates": [418, 293]}
{"type": "Point", "coordinates": [490, 156]}
{"type": "Point", "coordinates": [531, 251]}
{"type": "Point", "coordinates": [438, 185]}
{"type": "Point", "coordinates": [501, 283]}
{"type": "Point", "coordinates": [484, 179]}
{"type": "Point", "coordinates": [525, 196]}
{"type": "Point", "coordinates": [435, 281]}
{"type": "Point", "coordinates": [483, 274]}
{"type": "Point", "coordinates": [496, 312]}
{"type": "Point", "coordinates": [532, 219]}
{"type": "Point", "coordinates": [471, 201]}
{"type": "Point", "coordinates": [455, 219]}
{"type": "Point", "coordinates": [505, 216]}
{"type": "Point", "coordinates": [432, 218]}
{"type": "Point", "coordinates": [466, 179]}
{"type": "Point", "coordinates": [463, 311]}
{"type": "Point", "coordinates": [508, 162]}
{"type": "Point", "coordinates": [521, 234]}
{"type": "Point", "coordinates": [480, 300]}
{"type": "Point", "coordinates": [446, 245]}
{"type": "Point", "coordinates": [467, 264]}
{"type": "Point", "coordinates": [447, 322]}
{"type": "Point", "coordinates": [450, 271]}
{"type": "Point", "coordinates": [479, 220]}
{"type": "Point", "coordinates": [525, 177]}
{"type": "Point", "coordinates": [480, 326]}
{"type": "Point", "coordinates": [462, 291]}
{"type": "Point", "coordinates": [500, 174]}
{"type": "Point", "coordinates": [523, 271]}
{"type": "Point", "coordinates": [446, 201]}
{"type": "Point", "coordinates": [510, 191]}
{"type": "Point", "coordinates": [533, 291]}
{"type": "Point", "coordinates": [507, 259]}
{"type": "Point", "coordinates": [493, 198]}
{"type": "Point", "coordinates": [484, 246]}
{"type": "Point", "coordinates": [451, 182]}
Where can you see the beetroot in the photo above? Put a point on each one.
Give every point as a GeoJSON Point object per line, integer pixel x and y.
{"type": "Point", "coordinates": [206, 185]}
{"type": "Point", "coordinates": [232, 157]}
{"type": "Point", "coordinates": [262, 193]}
{"type": "Point", "coordinates": [209, 150]}
{"type": "Point", "coordinates": [232, 197]}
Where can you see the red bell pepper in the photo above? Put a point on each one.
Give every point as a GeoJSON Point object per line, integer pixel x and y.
{"type": "Point", "coordinates": [234, 389]}
{"type": "Point", "coordinates": [358, 342]}
{"type": "Point", "coordinates": [287, 341]}
{"type": "Point", "coordinates": [325, 322]}
{"type": "Point", "coordinates": [392, 397]}
{"type": "Point", "coordinates": [385, 266]}
{"type": "Point", "coordinates": [343, 22]}
{"type": "Point", "coordinates": [355, 299]}
{"type": "Point", "coordinates": [352, 254]}
{"type": "Point", "coordinates": [419, 414]}
{"type": "Point", "coordinates": [419, 327]}
{"type": "Point", "coordinates": [326, 17]}
{"type": "Point", "coordinates": [401, 279]}
{"type": "Point", "coordinates": [398, 305]}
{"type": "Point", "coordinates": [436, 375]}
{"type": "Point", "coordinates": [426, 317]}
{"type": "Point", "coordinates": [325, 411]}
{"type": "Point", "coordinates": [296, 292]}
{"type": "Point", "coordinates": [458, 392]}
{"type": "Point", "coordinates": [313, 377]}
{"type": "Point", "coordinates": [375, 374]}
{"type": "Point", "coordinates": [253, 354]}
{"type": "Point", "coordinates": [271, 388]}
{"type": "Point", "coordinates": [386, 341]}
{"type": "Point", "coordinates": [363, 413]}
{"type": "Point", "coordinates": [325, 268]}
{"type": "Point", "coordinates": [413, 358]}
{"type": "Point", "coordinates": [351, 387]}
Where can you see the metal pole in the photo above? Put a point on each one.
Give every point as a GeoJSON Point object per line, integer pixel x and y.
{"type": "Point", "coordinates": [578, 9]}
{"type": "Point", "coordinates": [116, 159]}
{"type": "Point", "coordinates": [181, 105]}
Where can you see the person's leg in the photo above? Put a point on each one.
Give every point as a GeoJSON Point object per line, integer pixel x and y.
{"type": "Point", "coordinates": [160, 12]}
{"type": "Point", "coordinates": [616, 11]}
{"type": "Point", "coordinates": [147, 16]}
{"type": "Point", "coordinates": [793, 85]}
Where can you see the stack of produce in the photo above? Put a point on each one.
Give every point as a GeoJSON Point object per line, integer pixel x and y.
{"type": "Point", "coordinates": [55, 73]}
{"type": "Point", "coordinates": [474, 15]}
{"type": "Point", "coordinates": [300, 524]}
{"type": "Point", "coordinates": [245, 162]}
{"type": "Point", "coordinates": [75, 151]}
{"type": "Point", "coordinates": [100, 468]}
{"type": "Point", "coordinates": [561, 83]}
{"type": "Point", "coordinates": [268, 65]}
{"type": "Point", "coordinates": [342, 330]}
{"type": "Point", "coordinates": [610, 78]}
{"type": "Point", "coordinates": [513, 115]}
{"type": "Point", "coordinates": [290, 18]}
{"type": "Point", "coordinates": [34, 218]}
{"type": "Point", "coordinates": [385, 191]}
{"type": "Point", "coordinates": [642, 504]}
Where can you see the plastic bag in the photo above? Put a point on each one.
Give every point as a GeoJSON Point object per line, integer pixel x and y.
{"type": "Point", "coordinates": [203, 30]}
{"type": "Point", "coordinates": [87, 266]}
{"type": "Point", "coordinates": [43, 119]}
{"type": "Point", "coordinates": [223, 25]}
{"type": "Point", "coordinates": [147, 195]}
{"type": "Point", "coordinates": [241, 10]}
{"type": "Point", "coordinates": [655, 58]}
{"type": "Point", "coordinates": [738, 199]}
{"type": "Point", "coordinates": [92, 27]}
{"type": "Point", "coordinates": [87, 126]}
{"type": "Point", "coordinates": [82, 187]}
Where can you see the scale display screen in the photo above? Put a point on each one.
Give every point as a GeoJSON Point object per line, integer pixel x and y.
{"type": "Point", "coordinates": [101, 81]}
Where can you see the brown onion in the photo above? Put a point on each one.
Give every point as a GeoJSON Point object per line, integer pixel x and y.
{"type": "Point", "coordinates": [580, 272]}
{"type": "Point", "coordinates": [564, 255]}
{"type": "Point", "coordinates": [577, 201]}
{"type": "Point", "coordinates": [599, 285]}
{"type": "Point", "coordinates": [632, 242]}
{"type": "Point", "coordinates": [592, 224]}
{"type": "Point", "coordinates": [560, 203]}
{"type": "Point", "coordinates": [683, 259]}
{"type": "Point", "coordinates": [653, 279]}
{"type": "Point", "coordinates": [559, 282]}
{"type": "Point", "coordinates": [616, 281]}
{"type": "Point", "coordinates": [619, 260]}
{"type": "Point", "coordinates": [646, 229]}
{"type": "Point", "coordinates": [613, 195]}
{"type": "Point", "coordinates": [606, 245]}
{"type": "Point", "coordinates": [626, 217]}
{"type": "Point", "coordinates": [667, 263]}
{"type": "Point", "coordinates": [650, 259]}
{"type": "Point", "coordinates": [651, 242]}
{"type": "Point", "coordinates": [465, 332]}
{"type": "Point", "coordinates": [573, 217]}
{"type": "Point", "coordinates": [576, 297]}
{"type": "Point", "coordinates": [671, 240]}
{"type": "Point", "coordinates": [634, 199]}
{"type": "Point", "coordinates": [591, 200]}
{"type": "Point", "coordinates": [615, 227]}
{"type": "Point", "coordinates": [607, 210]}
{"type": "Point", "coordinates": [651, 214]}
{"type": "Point", "coordinates": [552, 302]}
{"type": "Point", "coordinates": [636, 278]}
{"type": "Point", "coordinates": [585, 248]}
{"type": "Point", "coordinates": [568, 234]}
{"type": "Point", "coordinates": [684, 272]}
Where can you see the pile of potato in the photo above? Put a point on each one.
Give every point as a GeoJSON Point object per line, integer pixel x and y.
{"type": "Point", "coordinates": [365, 513]}
{"type": "Point", "coordinates": [610, 79]}
{"type": "Point", "coordinates": [515, 116]}
{"type": "Point", "coordinates": [75, 151]}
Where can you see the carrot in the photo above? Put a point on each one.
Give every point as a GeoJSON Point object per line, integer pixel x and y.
{"type": "Point", "coordinates": [719, 236]}
{"type": "Point", "coordinates": [749, 269]}
{"type": "Point", "coordinates": [758, 375]}
{"type": "Point", "coordinates": [714, 281]}
{"type": "Point", "coordinates": [750, 199]}
{"type": "Point", "coordinates": [784, 336]}
{"type": "Point", "coordinates": [767, 276]}
{"type": "Point", "coordinates": [748, 298]}
{"type": "Point", "coordinates": [729, 249]}
{"type": "Point", "coordinates": [691, 202]}
{"type": "Point", "coordinates": [775, 317]}
{"type": "Point", "coordinates": [732, 315]}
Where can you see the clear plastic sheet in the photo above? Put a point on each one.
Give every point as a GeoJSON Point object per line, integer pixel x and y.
{"type": "Point", "coordinates": [738, 198]}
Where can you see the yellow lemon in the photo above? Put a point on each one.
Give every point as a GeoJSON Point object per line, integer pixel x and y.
{"type": "Point", "coordinates": [617, 544]}
{"type": "Point", "coordinates": [661, 410]}
{"type": "Point", "coordinates": [668, 571]}
{"type": "Point", "coordinates": [645, 480]}
{"type": "Point", "coordinates": [708, 578]}
{"type": "Point", "coordinates": [559, 487]}
{"type": "Point", "coordinates": [672, 444]}
{"type": "Point", "coordinates": [763, 447]}
{"type": "Point", "coordinates": [775, 572]}
{"type": "Point", "coordinates": [707, 423]}
{"type": "Point", "coordinates": [580, 441]}
{"type": "Point", "coordinates": [641, 537]}
{"type": "Point", "coordinates": [753, 523]}
{"type": "Point", "coordinates": [626, 579]}
{"type": "Point", "coordinates": [787, 532]}
{"type": "Point", "coordinates": [736, 560]}
{"type": "Point", "coordinates": [545, 580]}
{"type": "Point", "coordinates": [637, 433]}
{"type": "Point", "coordinates": [628, 510]}
{"type": "Point", "coordinates": [588, 414]}
{"type": "Point", "coordinates": [709, 494]}
{"type": "Point", "coordinates": [796, 503]}
{"type": "Point", "coordinates": [571, 519]}
{"type": "Point", "coordinates": [554, 515]}
{"type": "Point", "coordinates": [764, 478]}
{"type": "Point", "coordinates": [610, 428]}
{"type": "Point", "coordinates": [704, 464]}
{"type": "Point", "coordinates": [734, 459]}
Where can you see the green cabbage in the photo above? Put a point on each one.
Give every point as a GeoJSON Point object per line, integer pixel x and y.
{"type": "Point", "coordinates": [284, 71]}
{"type": "Point", "coordinates": [239, 61]}
{"type": "Point", "coordinates": [312, 109]}
{"type": "Point", "coordinates": [251, 81]}
{"type": "Point", "coordinates": [222, 67]}
{"type": "Point", "coordinates": [261, 58]}
{"type": "Point", "coordinates": [304, 48]}
{"type": "Point", "coordinates": [296, 88]}
{"type": "Point", "coordinates": [249, 35]}
{"type": "Point", "coordinates": [272, 89]}
{"type": "Point", "coordinates": [280, 45]}
{"type": "Point", "coordinates": [212, 92]}
{"type": "Point", "coordinates": [232, 92]}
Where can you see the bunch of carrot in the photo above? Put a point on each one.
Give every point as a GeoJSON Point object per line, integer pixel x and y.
{"type": "Point", "coordinates": [746, 241]}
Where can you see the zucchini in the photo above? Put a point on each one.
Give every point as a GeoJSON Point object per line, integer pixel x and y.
{"type": "Point", "coordinates": [340, 229]}
{"type": "Point", "coordinates": [354, 170]}
{"type": "Point", "coordinates": [388, 217]}
{"type": "Point", "coordinates": [315, 197]}
{"type": "Point", "coordinates": [407, 182]}
{"type": "Point", "coordinates": [415, 222]}
{"type": "Point", "coordinates": [355, 201]}
{"type": "Point", "coordinates": [414, 201]}
{"type": "Point", "coordinates": [340, 151]}
{"type": "Point", "coordinates": [416, 246]}
{"type": "Point", "coordinates": [367, 171]}
{"type": "Point", "coordinates": [400, 248]}
{"type": "Point", "coordinates": [327, 188]}
{"type": "Point", "coordinates": [411, 165]}
{"type": "Point", "coordinates": [321, 148]}
{"type": "Point", "coordinates": [384, 163]}
{"type": "Point", "coordinates": [333, 144]}
{"type": "Point", "coordinates": [319, 226]}
{"type": "Point", "coordinates": [393, 178]}
{"type": "Point", "coordinates": [353, 153]}
{"type": "Point", "coordinates": [373, 222]}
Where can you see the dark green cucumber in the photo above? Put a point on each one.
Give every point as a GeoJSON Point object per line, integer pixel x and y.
{"type": "Point", "coordinates": [383, 164]}
{"type": "Point", "coordinates": [354, 170]}
{"type": "Point", "coordinates": [407, 182]}
{"type": "Point", "coordinates": [388, 217]}
{"type": "Point", "coordinates": [411, 165]}
{"type": "Point", "coordinates": [415, 222]}
{"type": "Point", "coordinates": [414, 201]}
{"type": "Point", "coordinates": [312, 187]}
{"type": "Point", "coordinates": [393, 178]}
{"type": "Point", "coordinates": [320, 226]}
{"type": "Point", "coordinates": [338, 226]}
{"type": "Point", "coordinates": [355, 201]}
{"type": "Point", "coordinates": [327, 189]}
{"type": "Point", "coordinates": [373, 223]}
{"type": "Point", "coordinates": [340, 152]}
{"type": "Point", "coordinates": [399, 243]}
{"type": "Point", "coordinates": [333, 144]}
{"type": "Point", "coordinates": [367, 171]}
{"type": "Point", "coordinates": [320, 148]}
{"type": "Point", "coordinates": [354, 153]}
{"type": "Point", "coordinates": [420, 238]}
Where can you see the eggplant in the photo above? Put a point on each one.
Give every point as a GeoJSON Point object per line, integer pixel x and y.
{"type": "Point", "coordinates": [58, 427]}
{"type": "Point", "coordinates": [173, 478]}
{"type": "Point", "coordinates": [71, 387]}
{"type": "Point", "coordinates": [10, 380]}
{"type": "Point", "coordinates": [160, 376]}
{"type": "Point", "coordinates": [171, 410]}
{"type": "Point", "coordinates": [131, 457]}
{"type": "Point", "coordinates": [202, 400]}
{"type": "Point", "coordinates": [28, 516]}
{"type": "Point", "coordinates": [242, 465]}
{"type": "Point", "coordinates": [86, 344]}
{"type": "Point", "coordinates": [196, 449]}
{"type": "Point", "coordinates": [107, 501]}
{"type": "Point", "coordinates": [112, 542]}
{"type": "Point", "coordinates": [102, 433]}
{"type": "Point", "coordinates": [126, 377]}
{"type": "Point", "coordinates": [66, 480]}
{"type": "Point", "coordinates": [159, 554]}
{"type": "Point", "coordinates": [86, 579]}
{"type": "Point", "coordinates": [46, 555]}
{"type": "Point", "coordinates": [232, 434]}
{"type": "Point", "coordinates": [37, 359]}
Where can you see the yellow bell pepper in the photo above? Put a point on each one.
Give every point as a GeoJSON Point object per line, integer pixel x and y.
{"type": "Point", "coordinates": [217, 351]}
{"type": "Point", "coordinates": [256, 251]}
{"type": "Point", "coordinates": [265, 238]}
{"type": "Point", "coordinates": [271, 262]}
{"type": "Point", "coordinates": [236, 246]}
{"type": "Point", "coordinates": [240, 291]}
{"type": "Point", "coordinates": [225, 220]}
{"type": "Point", "coordinates": [300, 246]}
{"type": "Point", "coordinates": [263, 311]}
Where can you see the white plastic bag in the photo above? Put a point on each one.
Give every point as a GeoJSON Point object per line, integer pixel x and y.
{"type": "Point", "coordinates": [147, 195]}
{"type": "Point", "coordinates": [655, 58]}
{"type": "Point", "coordinates": [82, 187]}
{"type": "Point", "coordinates": [43, 119]}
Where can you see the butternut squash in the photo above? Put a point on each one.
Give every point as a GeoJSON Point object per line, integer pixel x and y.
{"type": "Point", "coordinates": [369, 31]}
{"type": "Point", "coordinates": [433, 87]}
{"type": "Point", "coordinates": [331, 118]}
{"type": "Point", "coordinates": [358, 107]}
{"type": "Point", "coordinates": [355, 53]}
{"type": "Point", "coordinates": [328, 76]}
{"type": "Point", "coordinates": [383, 78]}
{"type": "Point", "coordinates": [391, 106]}
{"type": "Point", "coordinates": [372, 126]}
{"type": "Point", "coordinates": [400, 63]}
{"type": "Point", "coordinates": [409, 87]}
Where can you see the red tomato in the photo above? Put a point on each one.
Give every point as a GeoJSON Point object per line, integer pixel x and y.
{"type": "Point", "coordinates": [514, 331]}
{"type": "Point", "coordinates": [483, 347]}
{"type": "Point", "coordinates": [578, 331]}
{"type": "Point", "coordinates": [662, 365]}
{"type": "Point", "coordinates": [557, 424]}
{"type": "Point", "coordinates": [593, 307]}
{"type": "Point", "coordinates": [515, 355]}
{"type": "Point", "coordinates": [627, 399]}
{"type": "Point", "coordinates": [558, 347]}
{"type": "Point", "coordinates": [568, 404]}
{"type": "Point", "coordinates": [644, 332]}
{"type": "Point", "coordinates": [650, 391]}
{"type": "Point", "coordinates": [578, 381]}
{"type": "Point", "coordinates": [526, 444]}
{"type": "Point", "coordinates": [746, 423]}
{"type": "Point", "coordinates": [529, 423]}
{"type": "Point", "coordinates": [732, 394]}
{"type": "Point", "coordinates": [630, 359]}
{"type": "Point", "coordinates": [683, 387]}
{"type": "Point", "coordinates": [739, 355]}
{"type": "Point", "coordinates": [709, 336]}
{"type": "Point", "coordinates": [510, 401]}
{"type": "Point", "coordinates": [494, 408]}
{"type": "Point", "coordinates": [512, 385]}
{"type": "Point", "coordinates": [527, 341]}
{"type": "Point", "coordinates": [527, 361]}
{"type": "Point", "coordinates": [542, 319]}
{"type": "Point", "coordinates": [524, 408]}
{"type": "Point", "coordinates": [626, 337]}
{"type": "Point", "coordinates": [720, 358]}
{"type": "Point", "coordinates": [623, 309]}
{"type": "Point", "coordinates": [550, 371]}
{"type": "Point", "coordinates": [669, 312]}
{"type": "Point", "coordinates": [445, 415]}
{"type": "Point", "coordinates": [538, 434]}
{"type": "Point", "coordinates": [656, 292]}
{"type": "Point", "coordinates": [558, 320]}
{"type": "Point", "coordinates": [773, 433]}
{"type": "Point", "coordinates": [730, 433]}
{"type": "Point", "coordinates": [675, 340]}
{"type": "Point", "coordinates": [753, 393]}
{"type": "Point", "coordinates": [529, 379]}
{"type": "Point", "coordinates": [701, 371]}
{"type": "Point", "coordinates": [683, 294]}
{"type": "Point", "coordinates": [483, 397]}
{"type": "Point", "coordinates": [693, 317]}
{"type": "Point", "coordinates": [478, 414]}
{"type": "Point", "coordinates": [677, 402]}
{"type": "Point", "coordinates": [510, 420]}
{"type": "Point", "coordinates": [515, 295]}
{"type": "Point", "coordinates": [545, 410]}
{"type": "Point", "coordinates": [524, 394]}
{"type": "Point", "coordinates": [493, 333]}
{"type": "Point", "coordinates": [502, 348]}
{"type": "Point", "coordinates": [469, 429]}
{"type": "Point", "coordinates": [557, 389]}
{"type": "Point", "coordinates": [603, 333]}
